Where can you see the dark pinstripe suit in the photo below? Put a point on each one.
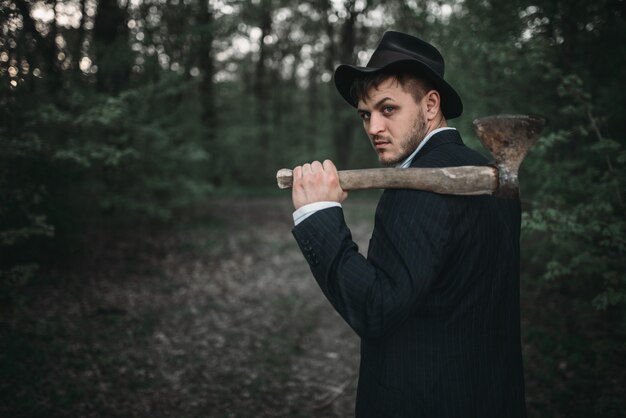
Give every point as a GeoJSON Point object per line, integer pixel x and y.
{"type": "Point", "coordinates": [436, 302]}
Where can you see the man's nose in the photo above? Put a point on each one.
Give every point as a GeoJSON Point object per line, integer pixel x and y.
{"type": "Point", "coordinates": [376, 125]}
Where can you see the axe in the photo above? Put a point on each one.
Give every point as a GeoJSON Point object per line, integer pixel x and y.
{"type": "Point", "coordinates": [508, 137]}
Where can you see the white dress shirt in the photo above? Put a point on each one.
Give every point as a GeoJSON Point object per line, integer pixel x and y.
{"type": "Point", "coordinates": [307, 210]}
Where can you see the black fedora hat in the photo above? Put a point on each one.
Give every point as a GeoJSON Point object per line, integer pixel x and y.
{"type": "Point", "coordinates": [399, 50]}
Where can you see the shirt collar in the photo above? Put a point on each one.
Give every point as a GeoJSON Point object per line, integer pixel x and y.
{"type": "Point", "coordinates": [407, 163]}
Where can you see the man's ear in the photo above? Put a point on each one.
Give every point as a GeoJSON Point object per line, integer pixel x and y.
{"type": "Point", "coordinates": [432, 100]}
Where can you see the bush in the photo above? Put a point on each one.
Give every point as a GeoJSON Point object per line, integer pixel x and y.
{"type": "Point", "coordinates": [89, 159]}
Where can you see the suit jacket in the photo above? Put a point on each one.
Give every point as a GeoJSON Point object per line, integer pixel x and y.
{"type": "Point", "coordinates": [436, 301]}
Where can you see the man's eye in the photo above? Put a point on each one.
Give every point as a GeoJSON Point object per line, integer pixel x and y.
{"type": "Point", "coordinates": [388, 109]}
{"type": "Point", "coordinates": [365, 116]}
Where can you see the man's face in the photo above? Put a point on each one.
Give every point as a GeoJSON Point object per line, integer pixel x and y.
{"type": "Point", "coordinates": [394, 122]}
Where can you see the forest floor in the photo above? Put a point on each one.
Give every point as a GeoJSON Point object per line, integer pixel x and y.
{"type": "Point", "coordinates": [220, 318]}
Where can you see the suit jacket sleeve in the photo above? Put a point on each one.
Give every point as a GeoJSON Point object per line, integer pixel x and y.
{"type": "Point", "coordinates": [376, 294]}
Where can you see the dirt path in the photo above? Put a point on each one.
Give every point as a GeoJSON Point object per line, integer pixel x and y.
{"type": "Point", "coordinates": [220, 320]}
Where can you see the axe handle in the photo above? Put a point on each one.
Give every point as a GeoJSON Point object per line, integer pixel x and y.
{"type": "Point", "coordinates": [466, 180]}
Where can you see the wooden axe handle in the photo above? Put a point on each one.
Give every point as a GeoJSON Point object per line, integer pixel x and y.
{"type": "Point", "coordinates": [466, 180]}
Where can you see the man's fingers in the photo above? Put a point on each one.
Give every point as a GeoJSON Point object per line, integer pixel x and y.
{"type": "Point", "coordinates": [331, 171]}
{"type": "Point", "coordinates": [316, 182]}
{"type": "Point", "coordinates": [316, 172]}
{"type": "Point", "coordinates": [297, 173]}
{"type": "Point", "coordinates": [316, 166]}
{"type": "Point", "coordinates": [329, 166]}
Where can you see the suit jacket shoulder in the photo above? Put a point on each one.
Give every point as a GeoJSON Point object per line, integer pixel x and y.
{"type": "Point", "coordinates": [446, 149]}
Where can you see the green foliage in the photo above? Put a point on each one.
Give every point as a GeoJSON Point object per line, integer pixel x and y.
{"type": "Point", "coordinates": [91, 158]}
{"type": "Point", "coordinates": [574, 248]}
{"type": "Point", "coordinates": [578, 207]}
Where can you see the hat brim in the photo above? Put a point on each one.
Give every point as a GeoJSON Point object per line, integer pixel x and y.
{"type": "Point", "coordinates": [451, 104]}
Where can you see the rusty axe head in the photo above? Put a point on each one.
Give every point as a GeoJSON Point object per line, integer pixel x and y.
{"type": "Point", "coordinates": [508, 137]}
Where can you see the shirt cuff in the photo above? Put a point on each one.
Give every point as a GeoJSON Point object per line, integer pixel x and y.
{"type": "Point", "coordinates": [308, 210]}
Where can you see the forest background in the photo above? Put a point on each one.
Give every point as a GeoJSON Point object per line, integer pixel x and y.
{"type": "Point", "coordinates": [137, 112]}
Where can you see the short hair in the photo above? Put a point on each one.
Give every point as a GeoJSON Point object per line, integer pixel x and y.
{"type": "Point", "coordinates": [408, 80]}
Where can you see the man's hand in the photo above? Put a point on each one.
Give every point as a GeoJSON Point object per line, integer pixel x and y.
{"type": "Point", "coordinates": [316, 183]}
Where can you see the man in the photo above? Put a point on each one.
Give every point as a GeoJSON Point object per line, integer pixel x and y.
{"type": "Point", "coordinates": [436, 301]}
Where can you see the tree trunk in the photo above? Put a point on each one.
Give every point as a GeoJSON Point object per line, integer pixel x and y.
{"type": "Point", "coordinates": [343, 127]}
{"type": "Point", "coordinates": [113, 55]}
{"type": "Point", "coordinates": [46, 49]}
{"type": "Point", "coordinates": [313, 103]}
{"type": "Point", "coordinates": [260, 84]}
{"type": "Point", "coordinates": [80, 39]}
{"type": "Point", "coordinates": [206, 66]}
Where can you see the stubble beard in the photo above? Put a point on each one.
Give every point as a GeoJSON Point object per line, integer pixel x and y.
{"type": "Point", "coordinates": [410, 142]}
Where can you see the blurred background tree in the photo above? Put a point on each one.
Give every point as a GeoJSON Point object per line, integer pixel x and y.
{"type": "Point", "coordinates": [121, 112]}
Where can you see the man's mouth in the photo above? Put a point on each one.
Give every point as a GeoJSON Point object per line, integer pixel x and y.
{"type": "Point", "coordinates": [380, 144]}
